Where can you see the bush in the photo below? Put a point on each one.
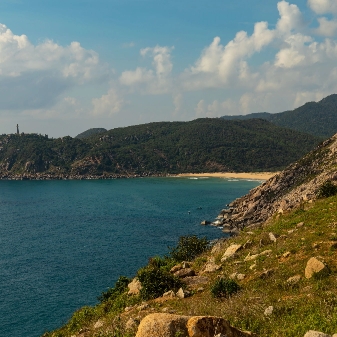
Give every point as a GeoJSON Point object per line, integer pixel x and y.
{"type": "Point", "coordinates": [120, 286]}
{"type": "Point", "coordinates": [188, 248]}
{"type": "Point", "coordinates": [327, 189]}
{"type": "Point", "coordinates": [155, 282]}
{"type": "Point", "coordinates": [224, 288]}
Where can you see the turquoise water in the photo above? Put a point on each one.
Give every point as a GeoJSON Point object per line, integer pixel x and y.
{"type": "Point", "coordinates": [64, 242]}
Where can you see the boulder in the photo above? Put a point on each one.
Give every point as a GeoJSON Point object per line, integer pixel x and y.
{"type": "Point", "coordinates": [169, 293]}
{"type": "Point", "coordinates": [182, 293]}
{"type": "Point", "coordinates": [184, 272]}
{"type": "Point", "coordinates": [208, 326]}
{"type": "Point", "coordinates": [211, 267]}
{"type": "Point", "coordinates": [314, 266]}
{"type": "Point", "coordinates": [205, 223]}
{"type": "Point", "coordinates": [134, 287]}
{"type": "Point", "coordinates": [312, 333]}
{"type": "Point", "coordinates": [98, 324]}
{"type": "Point", "coordinates": [163, 325]}
{"type": "Point", "coordinates": [231, 252]}
{"type": "Point", "coordinates": [167, 325]}
{"type": "Point", "coordinates": [193, 280]}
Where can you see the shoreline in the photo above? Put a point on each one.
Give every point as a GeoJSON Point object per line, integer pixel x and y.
{"type": "Point", "coordinates": [243, 175]}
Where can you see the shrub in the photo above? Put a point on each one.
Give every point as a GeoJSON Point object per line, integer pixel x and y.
{"type": "Point", "coordinates": [327, 189]}
{"type": "Point", "coordinates": [80, 318]}
{"type": "Point", "coordinates": [120, 286]}
{"type": "Point", "coordinates": [224, 288]}
{"type": "Point", "coordinates": [155, 282]}
{"type": "Point", "coordinates": [188, 248]}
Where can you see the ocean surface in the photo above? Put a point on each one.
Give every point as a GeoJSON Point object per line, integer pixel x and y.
{"type": "Point", "coordinates": [64, 242]}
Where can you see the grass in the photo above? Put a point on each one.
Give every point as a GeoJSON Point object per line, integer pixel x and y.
{"type": "Point", "coordinates": [310, 304]}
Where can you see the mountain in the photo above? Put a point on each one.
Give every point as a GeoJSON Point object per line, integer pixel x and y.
{"type": "Point", "coordinates": [318, 119]}
{"type": "Point", "coordinates": [202, 145]}
{"type": "Point", "coordinates": [90, 132]}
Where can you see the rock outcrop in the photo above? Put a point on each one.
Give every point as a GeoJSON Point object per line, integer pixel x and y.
{"type": "Point", "coordinates": [287, 190]}
{"type": "Point", "coordinates": [167, 325]}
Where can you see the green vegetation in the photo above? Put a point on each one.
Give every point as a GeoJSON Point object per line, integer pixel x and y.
{"type": "Point", "coordinates": [119, 288]}
{"type": "Point", "coordinates": [318, 119]}
{"type": "Point", "coordinates": [90, 132]}
{"type": "Point", "coordinates": [188, 248]}
{"type": "Point", "coordinates": [327, 189]}
{"type": "Point", "coordinates": [202, 145]}
{"type": "Point", "coordinates": [224, 287]}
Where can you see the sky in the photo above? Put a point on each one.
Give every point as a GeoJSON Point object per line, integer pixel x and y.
{"type": "Point", "coordinates": [67, 66]}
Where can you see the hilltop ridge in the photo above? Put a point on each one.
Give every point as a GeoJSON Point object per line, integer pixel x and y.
{"type": "Point", "coordinates": [316, 118]}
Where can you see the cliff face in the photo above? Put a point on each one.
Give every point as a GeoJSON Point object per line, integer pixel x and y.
{"type": "Point", "coordinates": [299, 182]}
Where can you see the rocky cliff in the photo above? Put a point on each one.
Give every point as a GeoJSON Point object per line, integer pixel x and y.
{"type": "Point", "coordinates": [287, 190]}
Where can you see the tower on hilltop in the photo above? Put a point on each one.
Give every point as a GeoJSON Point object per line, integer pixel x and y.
{"type": "Point", "coordinates": [17, 129]}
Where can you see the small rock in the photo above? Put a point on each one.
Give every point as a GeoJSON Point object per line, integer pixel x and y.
{"type": "Point", "coordinates": [218, 247]}
{"type": "Point", "coordinates": [301, 224]}
{"type": "Point", "coordinates": [169, 293]}
{"type": "Point", "coordinates": [166, 309]}
{"type": "Point", "coordinates": [231, 252]}
{"type": "Point", "coordinates": [269, 311]}
{"type": "Point", "coordinates": [132, 324]}
{"type": "Point", "coordinates": [134, 287]}
{"type": "Point", "coordinates": [176, 268]}
{"type": "Point", "coordinates": [128, 308]}
{"type": "Point", "coordinates": [266, 273]}
{"type": "Point", "coordinates": [185, 264]}
{"type": "Point", "coordinates": [220, 335]}
{"type": "Point", "coordinates": [205, 223]}
{"type": "Point", "coordinates": [183, 293]}
{"type": "Point", "coordinates": [200, 289]}
{"type": "Point", "coordinates": [98, 324]}
{"type": "Point", "coordinates": [251, 257]}
{"type": "Point", "coordinates": [314, 266]}
{"type": "Point", "coordinates": [282, 237]}
{"type": "Point", "coordinates": [233, 276]}
{"type": "Point", "coordinates": [287, 254]}
{"type": "Point", "coordinates": [240, 277]}
{"type": "Point", "coordinates": [291, 231]}
{"type": "Point", "coordinates": [273, 237]}
{"type": "Point", "coordinates": [143, 306]}
{"type": "Point", "coordinates": [294, 279]}
{"type": "Point", "coordinates": [184, 272]}
{"type": "Point", "coordinates": [253, 266]}
{"type": "Point", "coordinates": [312, 333]}
{"type": "Point", "coordinates": [315, 245]}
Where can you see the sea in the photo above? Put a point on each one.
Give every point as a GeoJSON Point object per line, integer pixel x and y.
{"type": "Point", "coordinates": [64, 242]}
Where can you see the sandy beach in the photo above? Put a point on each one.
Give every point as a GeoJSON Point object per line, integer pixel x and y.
{"type": "Point", "coordinates": [252, 175]}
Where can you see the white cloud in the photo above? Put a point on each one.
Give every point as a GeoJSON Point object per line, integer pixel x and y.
{"type": "Point", "coordinates": [33, 76]}
{"type": "Point", "coordinates": [109, 104]}
{"type": "Point", "coordinates": [326, 27]}
{"type": "Point", "coordinates": [128, 44]}
{"type": "Point", "coordinates": [156, 81]}
{"type": "Point", "coordinates": [323, 6]}
{"type": "Point", "coordinates": [178, 102]}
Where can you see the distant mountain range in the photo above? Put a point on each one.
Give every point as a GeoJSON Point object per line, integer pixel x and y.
{"type": "Point", "coordinates": [318, 119]}
{"type": "Point", "coordinates": [202, 145]}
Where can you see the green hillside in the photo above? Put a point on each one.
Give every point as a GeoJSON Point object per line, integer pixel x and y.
{"type": "Point", "coordinates": [202, 145]}
{"type": "Point", "coordinates": [319, 119]}
{"type": "Point", "coordinates": [90, 132]}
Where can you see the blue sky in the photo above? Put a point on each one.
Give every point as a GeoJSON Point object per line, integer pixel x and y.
{"type": "Point", "coordinates": [66, 66]}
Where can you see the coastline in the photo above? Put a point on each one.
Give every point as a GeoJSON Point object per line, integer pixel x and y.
{"type": "Point", "coordinates": [243, 175]}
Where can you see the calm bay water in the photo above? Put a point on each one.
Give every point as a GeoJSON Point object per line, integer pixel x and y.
{"type": "Point", "coordinates": [64, 242]}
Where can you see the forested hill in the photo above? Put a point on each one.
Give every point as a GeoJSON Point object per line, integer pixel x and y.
{"type": "Point", "coordinates": [202, 145]}
{"type": "Point", "coordinates": [319, 119]}
{"type": "Point", "coordinates": [90, 132]}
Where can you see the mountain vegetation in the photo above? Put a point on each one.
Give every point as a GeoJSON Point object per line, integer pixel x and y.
{"type": "Point", "coordinates": [318, 119]}
{"type": "Point", "coordinates": [202, 145]}
{"type": "Point", "coordinates": [90, 132]}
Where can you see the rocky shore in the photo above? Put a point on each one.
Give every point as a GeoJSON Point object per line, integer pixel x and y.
{"type": "Point", "coordinates": [288, 190]}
